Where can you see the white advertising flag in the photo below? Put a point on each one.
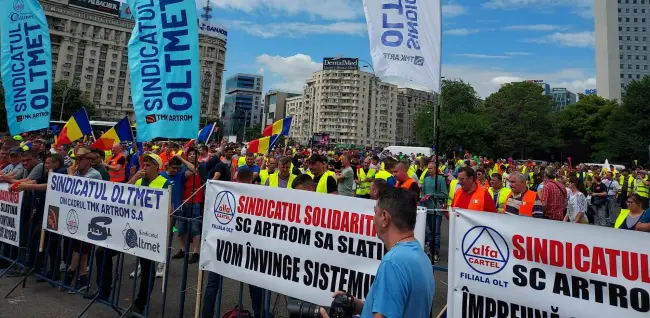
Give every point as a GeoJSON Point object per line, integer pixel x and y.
{"type": "Point", "coordinates": [406, 39]}
{"type": "Point", "coordinates": [301, 244]}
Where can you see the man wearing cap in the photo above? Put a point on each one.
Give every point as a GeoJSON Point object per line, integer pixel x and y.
{"type": "Point", "coordinates": [325, 182]}
{"type": "Point", "coordinates": [81, 168]}
{"type": "Point", "coordinates": [148, 176]}
{"type": "Point", "coordinates": [15, 167]}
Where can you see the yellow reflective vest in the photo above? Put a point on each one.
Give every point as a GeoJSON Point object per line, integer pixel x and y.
{"type": "Point", "coordinates": [502, 198]}
{"type": "Point", "coordinates": [384, 175]}
{"type": "Point", "coordinates": [621, 218]}
{"type": "Point", "coordinates": [641, 188]}
{"type": "Point", "coordinates": [158, 183]}
{"type": "Point", "coordinates": [452, 191]}
{"type": "Point", "coordinates": [363, 188]}
{"type": "Point", "coordinates": [264, 174]}
{"type": "Point", "coordinates": [274, 181]}
{"type": "Point", "coordinates": [321, 187]}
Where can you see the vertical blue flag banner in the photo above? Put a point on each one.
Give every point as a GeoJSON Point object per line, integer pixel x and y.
{"type": "Point", "coordinates": [164, 65]}
{"type": "Point", "coordinates": [26, 65]}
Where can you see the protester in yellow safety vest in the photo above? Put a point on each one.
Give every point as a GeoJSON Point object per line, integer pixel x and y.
{"type": "Point", "coordinates": [116, 165]}
{"type": "Point", "coordinates": [453, 186]}
{"type": "Point", "coordinates": [626, 181]}
{"type": "Point", "coordinates": [641, 185]}
{"type": "Point", "coordinates": [241, 161]}
{"type": "Point", "coordinates": [634, 218]}
{"type": "Point", "coordinates": [270, 169]}
{"type": "Point", "coordinates": [325, 182]}
{"type": "Point", "coordinates": [385, 174]}
{"type": "Point", "coordinates": [147, 177]}
{"type": "Point", "coordinates": [499, 194]}
{"type": "Point", "coordinates": [282, 178]}
{"type": "Point", "coordinates": [364, 176]}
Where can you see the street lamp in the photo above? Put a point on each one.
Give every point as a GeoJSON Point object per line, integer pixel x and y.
{"type": "Point", "coordinates": [65, 93]}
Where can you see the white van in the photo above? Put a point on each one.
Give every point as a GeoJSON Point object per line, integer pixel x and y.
{"type": "Point", "coordinates": [409, 150]}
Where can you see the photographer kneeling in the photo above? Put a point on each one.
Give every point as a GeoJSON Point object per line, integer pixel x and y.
{"type": "Point", "coordinates": [404, 285]}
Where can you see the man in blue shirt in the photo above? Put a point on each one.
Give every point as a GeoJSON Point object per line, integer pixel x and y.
{"type": "Point", "coordinates": [250, 164]}
{"type": "Point", "coordinates": [403, 285]}
{"type": "Point", "coordinates": [178, 170]}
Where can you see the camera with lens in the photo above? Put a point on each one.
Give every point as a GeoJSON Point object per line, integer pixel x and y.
{"type": "Point", "coordinates": [342, 307]}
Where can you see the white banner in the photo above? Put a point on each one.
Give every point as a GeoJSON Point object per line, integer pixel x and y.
{"type": "Point", "coordinates": [301, 244]}
{"type": "Point", "coordinates": [10, 203]}
{"type": "Point", "coordinates": [406, 39]}
{"type": "Point", "coordinates": [510, 266]}
{"type": "Point", "coordinates": [118, 216]}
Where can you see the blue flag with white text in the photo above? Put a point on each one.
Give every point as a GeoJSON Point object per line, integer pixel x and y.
{"type": "Point", "coordinates": [26, 65]}
{"type": "Point", "coordinates": [164, 64]}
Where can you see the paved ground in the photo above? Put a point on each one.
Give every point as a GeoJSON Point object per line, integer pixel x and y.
{"type": "Point", "coordinates": [42, 300]}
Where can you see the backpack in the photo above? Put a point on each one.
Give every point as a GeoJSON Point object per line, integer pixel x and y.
{"type": "Point", "coordinates": [237, 312]}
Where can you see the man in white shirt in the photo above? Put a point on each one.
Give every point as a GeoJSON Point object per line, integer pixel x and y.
{"type": "Point", "coordinates": [612, 190]}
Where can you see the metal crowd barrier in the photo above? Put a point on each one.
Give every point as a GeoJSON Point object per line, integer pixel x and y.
{"type": "Point", "coordinates": [42, 259]}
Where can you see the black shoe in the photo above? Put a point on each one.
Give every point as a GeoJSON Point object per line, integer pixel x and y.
{"type": "Point", "coordinates": [180, 254]}
{"type": "Point", "coordinates": [194, 258]}
{"type": "Point", "coordinates": [94, 294]}
{"type": "Point", "coordinates": [135, 312]}
{"type": "Point", "coordinates": [436, 258]}
{"type": "Point", "coordinates": [14, 272]}
{"type": "Point", "coordinates": [50, 276]}
{"type": "Point", "coordinates": [67, 281]}
{"type": "Point", "coordinates": [81, 285]}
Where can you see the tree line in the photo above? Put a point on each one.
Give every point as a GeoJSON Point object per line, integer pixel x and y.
{"type": "Point", "coordinates": [517, 121]}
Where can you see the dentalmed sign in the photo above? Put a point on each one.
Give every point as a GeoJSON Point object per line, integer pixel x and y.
{"type": "Point", "coordinates": [164, 64]}
{"type": "Point", "coordinates": [405, 39]}
{"type": "Point", "coordinates": [26, 65]}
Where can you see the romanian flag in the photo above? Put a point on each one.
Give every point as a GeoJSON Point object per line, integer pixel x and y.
{"type": "Point", "coordinates": [262, 145]}
{"type": "Point", "coordinates": [280, 128]}
{"type": "Point", "coordinates": [119, 133]}
{"type": "Point", "coordinates": [77, 127]}
{"type": "Point", "coordinates": [206, 132]}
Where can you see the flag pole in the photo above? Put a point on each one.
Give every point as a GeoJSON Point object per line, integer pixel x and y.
{"type": "Point", "coordinates": [211, 131]}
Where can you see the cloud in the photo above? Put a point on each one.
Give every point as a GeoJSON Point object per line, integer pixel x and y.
{"type": "Point", "coordinates": [453, 10]}
{"type": "Point", "coordinates": [488, 80]}
{"type": "Point", "coordinates": [583, 8]}
{"type": "Point", "coordinates": [463, 31]}
{"type": "Point", "coordinates": [298, 29]}
{"type": "Point", "coordinates": [519, 53]}
{"type": "Point", "coordinates": [325, 9]}
{"type": "Point", "coordinates": [575, 39]}
{"type": "Point", "coordinates": [292, 71]}
{"type": "Point", "coordinates": [535, 27]}
{"type": "Point", "coordinates": [260, 71]}
{"type": "Point", "coordinates": [483, 56]}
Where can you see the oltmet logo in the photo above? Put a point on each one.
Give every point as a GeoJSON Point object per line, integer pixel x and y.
{"type": "Point", "coordinates": [134, 240]}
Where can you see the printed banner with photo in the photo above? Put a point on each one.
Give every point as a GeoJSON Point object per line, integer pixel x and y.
{"type": "Point", "coordinates": [118, 216]}
{"type": "Point", "coordinates": [301, 244]}
{"type": "Point", "coordinates": [511, 266]}
{"type": "Point", "coordinates": [10, 203]}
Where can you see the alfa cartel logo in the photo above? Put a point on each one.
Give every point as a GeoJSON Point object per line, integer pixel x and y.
{"type": "Point", "coordinates": [225, 206]}
{"type": "Point", "coordinates": [485, 250]}
{"type": "Point", "coordinates": [72, 221]}
{"type": "Point", "coordinates": [18, 15]}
